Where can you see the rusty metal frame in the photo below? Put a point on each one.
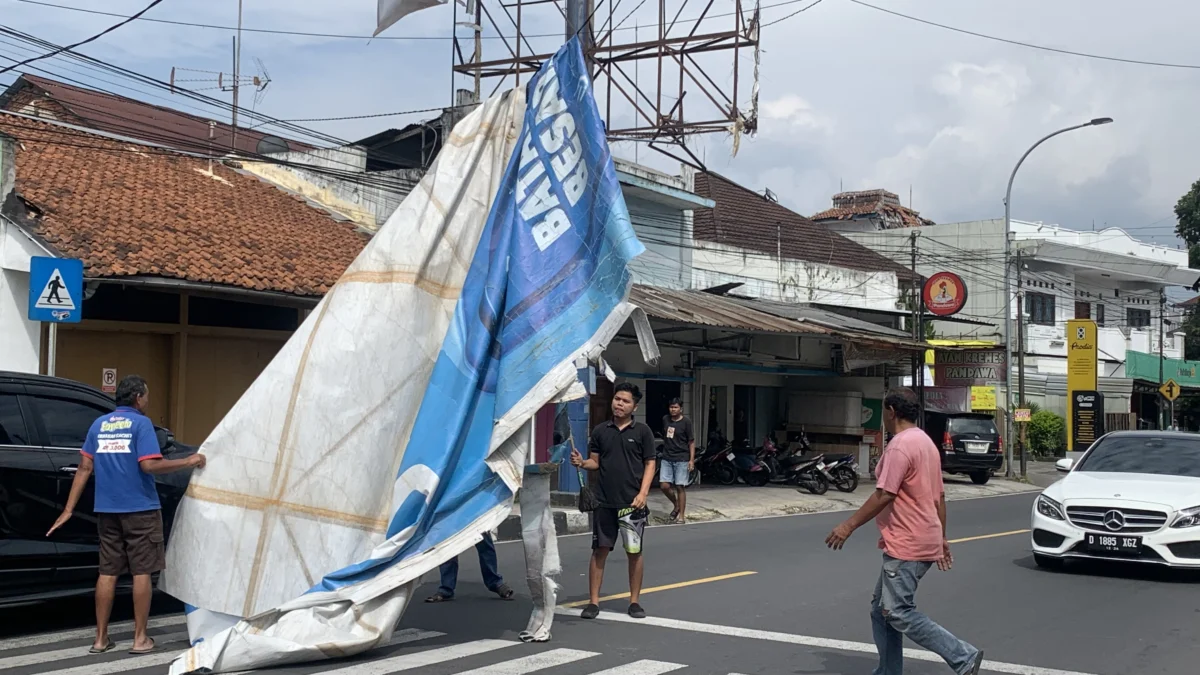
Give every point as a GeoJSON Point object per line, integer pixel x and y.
{"type": "Point", "coordinates": [654, 112]}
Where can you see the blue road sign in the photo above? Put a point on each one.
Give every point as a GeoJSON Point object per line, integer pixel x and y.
{"type": "Point", "coordinates": [55, 290]}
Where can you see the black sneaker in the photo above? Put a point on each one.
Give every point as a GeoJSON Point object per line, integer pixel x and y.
{"type": "Point", "coordinates": [636, 611]}
{"type": "Point", "coordinates": [977, 664]}
{"type": "Point", "coordinates": [591, 612]}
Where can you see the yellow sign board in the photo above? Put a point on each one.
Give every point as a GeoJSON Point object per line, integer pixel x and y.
{"type": "Point", "coordinates": [1082, 363]}
{"type": "Point", "coordinates": [983, 398]}
{"type": "Point", "coordinates": [1022, 415]}
{"type": "Point", "coordinates": [1169, 390]}
{"type": "Point", "coordinates": [1082, 355]}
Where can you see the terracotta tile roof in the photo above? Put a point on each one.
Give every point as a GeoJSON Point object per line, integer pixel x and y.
{"type": "Point", "coordinates": [749, 220]}
{"type": "Point", "coordinates": [884, 205]}
{"type": "Point", "coordinates": [130, 210]}
{"type": "Point", "coordinates": [128, 117]}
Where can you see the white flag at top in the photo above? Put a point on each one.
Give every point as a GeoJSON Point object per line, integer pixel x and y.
{"type": "Point", "coordinates": [391, 11]}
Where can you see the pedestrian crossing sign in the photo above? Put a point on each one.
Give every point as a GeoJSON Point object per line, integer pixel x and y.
{"type": "Point", "coordinates": [55, 290]}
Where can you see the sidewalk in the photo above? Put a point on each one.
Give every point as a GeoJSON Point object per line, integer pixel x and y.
{"type": "Point", "coordinates": [738, 502]}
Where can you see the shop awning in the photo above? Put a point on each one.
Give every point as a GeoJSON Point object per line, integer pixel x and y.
{"type": "Point", "coordinates": [706, 310]}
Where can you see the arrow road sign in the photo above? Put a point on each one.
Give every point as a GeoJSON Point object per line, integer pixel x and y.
{"type": "Point", "coordinates": [1169, 390]}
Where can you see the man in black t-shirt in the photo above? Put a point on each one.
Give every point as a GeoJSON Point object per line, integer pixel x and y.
{"type": "Point", "coordinates": [622, 451]}
{"type": "Point", "coordinates": [678, 459]}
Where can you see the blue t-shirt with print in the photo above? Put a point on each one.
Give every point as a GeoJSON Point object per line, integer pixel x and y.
{"type": "Point", "coordinates": [116, 443]}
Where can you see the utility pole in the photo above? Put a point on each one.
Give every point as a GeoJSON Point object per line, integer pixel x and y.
{"type": "Point", "coordinates": [1162, 303]}
{"type": "Point", "coordinates": [579, 22]}
{"type": "Point", "coordinates": [1021, 361]}
{"type": "Point", "coordinates": [237, 73]}
{"type": "Point", "coordinates": [918, 372]}
{"type": "Point", "coordinates": [1008, 291]}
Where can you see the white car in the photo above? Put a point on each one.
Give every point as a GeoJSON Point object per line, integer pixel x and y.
{"type": "Point", "coordinates": [1134, 496]}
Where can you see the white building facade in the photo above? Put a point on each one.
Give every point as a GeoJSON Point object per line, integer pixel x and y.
{"type": "Point", "coordinates": [1107, 276]}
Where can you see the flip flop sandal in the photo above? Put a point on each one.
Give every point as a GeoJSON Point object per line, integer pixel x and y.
{"type": "Point", "coordinates": [504, 592]}
{"type": "Point", "coordinates": [107, 648]}
{"type": "Point", "coordinates": [438, 597]}
{"type": "Point", "coordinates": [139, 652]}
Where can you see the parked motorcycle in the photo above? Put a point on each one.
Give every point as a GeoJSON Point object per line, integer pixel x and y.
{"type": "Point", "coordinates": [809, 473]}
{"type": "Point", "coordinates": [843, 471]}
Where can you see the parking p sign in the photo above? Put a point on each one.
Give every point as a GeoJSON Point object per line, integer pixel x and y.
{"type": "Point", "coordinates": [55, 290]}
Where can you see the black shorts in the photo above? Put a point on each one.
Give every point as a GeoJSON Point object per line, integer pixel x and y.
{"type": "Point", "coordinates": [628, 524]}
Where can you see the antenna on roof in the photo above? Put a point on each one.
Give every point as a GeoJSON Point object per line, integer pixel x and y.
{"type": "Point", "coordinates": [211, 80]}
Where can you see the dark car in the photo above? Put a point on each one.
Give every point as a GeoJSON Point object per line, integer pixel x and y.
{"type": "Point", "coordinates": [43, 424]}
{"type": "Point", "coordinates": [969, 443]}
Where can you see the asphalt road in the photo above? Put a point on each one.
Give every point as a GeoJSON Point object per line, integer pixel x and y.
{"type": "Point", "coordinates": [750, 597]}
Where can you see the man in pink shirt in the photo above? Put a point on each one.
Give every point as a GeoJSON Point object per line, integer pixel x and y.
{"type": "Point", "coordinates": [910, 507]}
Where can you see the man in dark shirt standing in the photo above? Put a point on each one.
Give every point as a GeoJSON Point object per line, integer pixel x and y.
{"type": "Point", "coordinates": [622, 450]}
{"type": "Point", "coordinates": [678, 460]}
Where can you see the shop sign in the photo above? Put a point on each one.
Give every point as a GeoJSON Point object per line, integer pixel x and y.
{"type": "Point", "coordinates": [983, 398]}
{"type": "Point", "coordinates": [1087, 419]}
{"type": "Point", "coordinates": [872, 414]}
{"type": "Point", "coordinates": [944, 294]}
{"type": "Point", "coordinates": [965, 367]}
{"type": "Point", "coordinates": [948, 399]}
{"type": "Point", "coordinates": [1082, 355]}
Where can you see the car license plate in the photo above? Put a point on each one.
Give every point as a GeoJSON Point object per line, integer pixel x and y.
{"type": "Point", "coordinates": [977, 447]}
{"type": "Point", "coordinates": [1113, 543]}
{"type": "Point", "coordinates": [729, 456]}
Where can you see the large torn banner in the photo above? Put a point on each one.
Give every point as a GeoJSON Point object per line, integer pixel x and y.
{"type": "Point", "coordinates": [392, 430]}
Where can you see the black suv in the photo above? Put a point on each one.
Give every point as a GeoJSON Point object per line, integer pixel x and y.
{"type": "Point", "coordinates": [969, 443]}
{"type": "Point", "coordinates": [43, 424]}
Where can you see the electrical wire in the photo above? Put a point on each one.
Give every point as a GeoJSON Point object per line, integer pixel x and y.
{"type": "Point", "coordinates": [1028, 45]}
{"type": "Point", "coordinates": [93, 38]}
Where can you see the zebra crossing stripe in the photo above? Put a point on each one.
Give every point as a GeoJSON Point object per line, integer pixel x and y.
{"type": "Point", "coordinates": [429, 657]}
{"type": "Point", "coordinates": [120, 666]}
{"type": "Point", "coordinates": [534, 662]}
{"type": "Point", "coordinates": [644, 667]}
{"type": "Point", "coordinates": [167, 656]}
{"type": "Point", "coordinates": [35, 658]}
{"type": "Point", "coordinates": [84, 633]}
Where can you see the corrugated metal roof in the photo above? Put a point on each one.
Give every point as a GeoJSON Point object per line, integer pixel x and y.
{"type": "Point", "coordinates": [824, 317]}
{"type": "Point", "coordinates": [705, 309]}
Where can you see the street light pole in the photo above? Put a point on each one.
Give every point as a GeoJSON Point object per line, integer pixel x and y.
{"type": "Point", "coordinates": [1008, 295]}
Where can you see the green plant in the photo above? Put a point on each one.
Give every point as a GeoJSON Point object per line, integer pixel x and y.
{"type": "Point", "coordinates": [1047, 434]}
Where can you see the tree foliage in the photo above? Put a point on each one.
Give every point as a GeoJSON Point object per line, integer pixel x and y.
{"type": "Point", "coordinates": [1047, 434]}
{"type": "Point", "coordinates": [1187, 214]}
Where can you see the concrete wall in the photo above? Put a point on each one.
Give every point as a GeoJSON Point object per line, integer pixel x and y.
{"type": "Point", "coordinates": [791, 280]}
{"type": "Point", "coordinates": [20, 338]}
{"type": "Point", "coordinates": [368, 199]}
{"type": "Point", "coordinates": [667, 235]}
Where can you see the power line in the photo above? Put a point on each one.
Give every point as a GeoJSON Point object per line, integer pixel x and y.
{"type": "Point", "coordinates": [799, 11]}
{"type": "Point", "coordinates": [93, 38]}
{"type": "Point", "coordinates": [345, 36]}
{"type": "Point", "coordinates": [1028, 45]}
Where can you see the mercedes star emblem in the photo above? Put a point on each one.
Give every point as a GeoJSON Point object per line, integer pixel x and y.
{"type": "Point", "coordinates": [1114, 520]}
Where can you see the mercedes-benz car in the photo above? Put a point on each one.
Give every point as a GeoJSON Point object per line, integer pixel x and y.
{"type": "Point", "coordinates": [1133, 496]}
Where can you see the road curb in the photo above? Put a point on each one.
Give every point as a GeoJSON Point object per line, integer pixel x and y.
{"type": "Point", "coordinates": [565, 522]}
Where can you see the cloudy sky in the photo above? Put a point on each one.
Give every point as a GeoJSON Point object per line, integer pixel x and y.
{"type": "Point", "coordinates": [850, 97]}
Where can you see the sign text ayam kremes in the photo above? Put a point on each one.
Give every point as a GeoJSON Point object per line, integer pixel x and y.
{"type": "Point", "coordinates": [981, 365]}
{"type": "Point", "coordinates": [538, 201]}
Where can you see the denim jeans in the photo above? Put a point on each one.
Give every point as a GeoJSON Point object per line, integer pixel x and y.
{"type": "Point", "coordinates": [894, 615]}
{"type": "Point", "coordinates": [487, 563]}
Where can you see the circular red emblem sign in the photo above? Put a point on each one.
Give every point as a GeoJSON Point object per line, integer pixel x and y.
{"type": "Point", "coordinates": [944, 294]}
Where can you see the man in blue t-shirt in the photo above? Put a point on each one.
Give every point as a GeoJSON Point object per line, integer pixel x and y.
{"type": "Point", "coordinates": [122, 449]}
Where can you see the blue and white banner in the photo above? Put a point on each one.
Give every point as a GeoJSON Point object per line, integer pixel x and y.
{"type": "Point", "coordinates": [391, 431]}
